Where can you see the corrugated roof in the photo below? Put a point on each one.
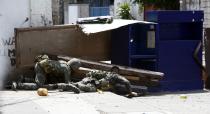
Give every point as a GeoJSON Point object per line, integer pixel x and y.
{"type": "Point", "coordinates": [117, 23]}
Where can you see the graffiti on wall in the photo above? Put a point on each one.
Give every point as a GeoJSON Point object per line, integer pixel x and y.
{"type": "Point", "coordinates": [7, 48]}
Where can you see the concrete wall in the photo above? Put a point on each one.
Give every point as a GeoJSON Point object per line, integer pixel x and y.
{"type": "Point", "coordinates": [57, 12]}
{"type": "Point", "coordinates": [13, 13]}
{"type": "Point", "coordinates": [190, 4]}
{"type": "Point", "coordinates": [66, 15]}
{"type": "Point", "coordinates": [60, 40]}
{"type": "Point", "coordinates": [198, 5]}
{"type": "Point", "coordinates": [205, 5]}
{"type": "Point", "coordinates": [76, 11]}
{"type": "Point", "coordinates": [41, 12]}
{"type": "Point", "coordinates": [17, 14]}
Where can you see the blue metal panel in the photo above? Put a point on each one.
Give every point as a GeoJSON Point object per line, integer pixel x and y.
{"type": "Point", "coordinates": [99, 11]}
{"type": "Point", "coordinates": [178, 34]}
{"type": "Point", "coordinates": [119, 46]}
{"type": "Point", "coordinates": [176, 61]}
{"type": "Point", "coordinates": [180, 31]}
{"type": "Point", "coordinates": [175, 16]}
{"type": "Point", "coordinates": [129, 47]}
{"type": "Point", "coordinates": [138, 35]}
{"type": "Point", "coordinates": [140, 55]}
{"type": "Point", "coordinates": [99, 3]}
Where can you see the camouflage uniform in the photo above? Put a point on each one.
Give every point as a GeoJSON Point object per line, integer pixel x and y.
{"type": "Point", "coordinates": [51, 68]}
{"type": "Point", "coordinates": [24, 86]}
{"type": "Point", "coordinates": [31, 86]}
{"type": "Point", "coordinates": [34, 86]}
{"type": "Point", "coordinates": [84, 85]}
{"type": "Point", "coordinates": [68, 87]}
{"type": "Point", "coordinates": [87, 84]}
{"type": "Point", "coordinates": [102, 80]}
{"type": "Point", "coordinates": [108, 80]}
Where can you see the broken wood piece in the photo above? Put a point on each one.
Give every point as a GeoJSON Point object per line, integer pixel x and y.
{"type": "Point", "coordinates": [122, 70]}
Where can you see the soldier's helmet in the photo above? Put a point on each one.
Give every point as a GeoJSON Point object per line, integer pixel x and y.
{"type": "Point", "coordinates": [41, 57]}
{"type": "Point", "coordinates": [74, 64]}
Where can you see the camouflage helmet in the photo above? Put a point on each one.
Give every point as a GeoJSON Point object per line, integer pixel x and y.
{"type": "Point", "coordinates": [74, 63]}
{"type": "Point", "coordinates": [41, 57]}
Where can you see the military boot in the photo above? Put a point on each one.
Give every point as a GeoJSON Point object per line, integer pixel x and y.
{"type": "Point", "coordinates": [14, 86]}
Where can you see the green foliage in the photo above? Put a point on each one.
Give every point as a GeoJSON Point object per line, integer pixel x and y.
{"type": "Point", "coordinates": [124, 11]}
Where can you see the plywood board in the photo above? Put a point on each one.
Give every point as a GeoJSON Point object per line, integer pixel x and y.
{"type": "Point", "coordinates": [60, 40]}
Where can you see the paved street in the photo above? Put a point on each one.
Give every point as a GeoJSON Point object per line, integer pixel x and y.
{"type": "Point", "coordinates": [28, 102]}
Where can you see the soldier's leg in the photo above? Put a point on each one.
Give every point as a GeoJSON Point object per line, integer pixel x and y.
{"type": "Point", "coordinates": [27, 86]}
{"type": "Point", "coordinates": [67, 73]}
{"type": "Point", "coordinates": [40, 77]}
{"type": "Point", "coordinates": [86, 87]}
{"type": "Point", "coordinates": [50, 86]}
{"type": "Point", "coordinates": [122, 80]}
{"type": "Point", "coordinates": [68, 87]}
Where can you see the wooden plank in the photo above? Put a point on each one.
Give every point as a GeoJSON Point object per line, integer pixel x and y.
{"type": "Point", "coordinates": [60, 40]}
{"type": "Point", "coordinates": [122, 70]}
{"type": "Point", "coordinates": [81, 73]}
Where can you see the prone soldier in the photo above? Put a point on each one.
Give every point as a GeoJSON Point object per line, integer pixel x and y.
{"type": "Point", "coordinates": [102, 80]}
{"type": "Point", "coordinates": [46, 70]}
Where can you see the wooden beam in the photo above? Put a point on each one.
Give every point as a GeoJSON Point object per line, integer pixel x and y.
{"type": "Point", "coordinates": [122, 70]}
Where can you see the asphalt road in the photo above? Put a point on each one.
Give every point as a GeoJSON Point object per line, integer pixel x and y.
{"type": "Point", "coordinates": [28, 102]}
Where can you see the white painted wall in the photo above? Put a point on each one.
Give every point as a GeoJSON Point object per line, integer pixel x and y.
{"type": "Point", "coordinates": [17, 14]}
{"type": "Point", "coordinates": [41, 12]}
{"type": "Point", "coordinates": [205, 6]}
{"type": "Point", "coordinates": [76, 11]}
{"type": "Point", "coordinates": [66, 15]}
{"type": "Point", "coordinates": [195, 5]}
{"type": "Point", "coordinates": [73, 13]}
{"type": "Point", "coordinates": [189, 5]}
{"type": "Point", "coordinates": [13, 13]}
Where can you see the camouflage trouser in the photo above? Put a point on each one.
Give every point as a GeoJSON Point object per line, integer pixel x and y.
{"type": "Point", "coordinates": [34, 86]}
{"type": "Point", "coordinates": [68, 87]}
{"type": "Point", "coordinates": [27, 86]}
{"type": "Point", "coordinates": [115, 79]}
{"type": "Point", "coordinates": [86, 87]}
{"type": "Point", "coordinates": [40, 77]}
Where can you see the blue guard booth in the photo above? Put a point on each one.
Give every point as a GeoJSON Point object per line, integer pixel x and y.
{"type": "Point", "coordinates": [167, 47]}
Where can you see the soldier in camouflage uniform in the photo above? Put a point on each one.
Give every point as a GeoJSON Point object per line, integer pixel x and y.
{"type": "Point", "coordinates": [99, 80]}
{"type": "Point", "coordinates": [45, 68]}
{"type": "Point", "coordinates": [87, 84]}
{"type": "Point", "coordinates": [108, 80]}
{"type": "Point", "coordinates": [105, 81]}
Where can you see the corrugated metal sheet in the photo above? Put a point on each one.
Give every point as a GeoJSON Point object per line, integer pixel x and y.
{"type": "Point", "coordinates": [117, 23]}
